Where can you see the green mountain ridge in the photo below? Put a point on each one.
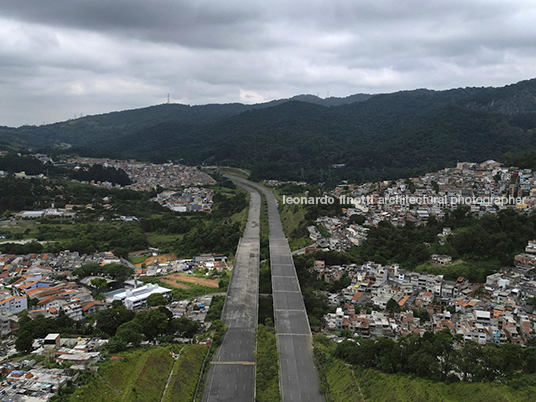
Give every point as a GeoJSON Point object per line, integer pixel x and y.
{"type": "Point", "coordinates": [381, 136]}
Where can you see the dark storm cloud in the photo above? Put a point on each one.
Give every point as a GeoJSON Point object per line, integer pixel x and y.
{"type": "Point", "coordinates": [61, 58]}
{"type": "Point", "coordinates": [189, 23]}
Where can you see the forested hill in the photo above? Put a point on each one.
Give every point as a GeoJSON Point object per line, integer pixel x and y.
{"type": "Point", "coordinates": [381, 136]}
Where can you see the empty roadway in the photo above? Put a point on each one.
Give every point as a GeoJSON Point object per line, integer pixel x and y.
{"type": "Point", "coordinates": [298, 377]}
{"type": "Point", "coordinates": [231, 376]}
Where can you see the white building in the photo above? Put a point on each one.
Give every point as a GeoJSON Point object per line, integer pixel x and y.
{"type": "Point", "coordinates": [13, 304]}
{"type": "Point", "coordinates": [136, 298]}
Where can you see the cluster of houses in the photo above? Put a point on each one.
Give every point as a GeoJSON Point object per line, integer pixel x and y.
{"type": "Point", "coordinates": [484, 187]}
{"type": "Point", "coordinates": [25, 383]}
{"type": "Point", "coordinates": [162, 266]}
{"type": "Point", "coordinates": [190, 199]}
{"type": "Point", "coordinates": [44, 284]}
{"type": "Point", "coordinates": [147, 176]}
{"type": "Point", "coordinates": [28, 381]}
{"type": "Point", "coordinates": [498, 311]}
{"type": "Point", "coordinates": [342, 233]}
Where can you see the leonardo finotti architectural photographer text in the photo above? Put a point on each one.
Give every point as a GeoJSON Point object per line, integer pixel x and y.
{"type": "Point", "coordinates": [404, 200]}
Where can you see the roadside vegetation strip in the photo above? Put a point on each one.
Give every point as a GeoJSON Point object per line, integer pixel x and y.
{"type": "Point", "coordinates": [198, 394]}
{"type": "Point", "coordinates": [264, 232]}
{"type": "Point", "coordinates": [338, 381]}
{"type": "Point", "coordinates": [242, 173]}
{"type": "Point", "coordinates": [380, 387]}
{"type": "Point", "coordinates": [215, 309]}
{"type": "Point", "coordinates": [344, 382]}
{"type": "Point", "coordinates": [186, 371]}
{"type": "Point", "coordinates": [267, 374]}
{"type": "Point", "coordinates": [141, 375]}
{"type": "Point", "coordinates": [150, 382]}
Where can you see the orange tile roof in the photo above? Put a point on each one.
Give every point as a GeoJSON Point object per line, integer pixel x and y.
{"type": "Point", "coordinates": [91, 304]}
{"type": "Point", "coordinates": [38, 290]}
{"type": "Point", "coordinates": [403, 301]}
{"type": "Point", "coordinates": [11, 298]}
{"type": "Point", "coordinates": [357, 296]}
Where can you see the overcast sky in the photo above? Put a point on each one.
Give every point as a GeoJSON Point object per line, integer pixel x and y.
{"type": "Point", "coordinates": [61, 58]}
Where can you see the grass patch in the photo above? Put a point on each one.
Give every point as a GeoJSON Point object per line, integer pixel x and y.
{"type": "Point", "coordinates": [344, 383]}
{"type": "Point", "coordinates": [266, 309]}
{"type": "Point", "coordinates": [150, 379]}
{"type": "Point", "coordinates": [156, 239]}
{"type": "Point", "coordinates": [294, 222]}
{"type": "Point", "coordinates": [338, 383]}
{"type": "Point", "coordinates": [266, 357]}
{"type": "Point", "coordinates": [475, 271]}
{"type": "Point", "coordinates": [185, 374]}
{"type": "Point", "coordinates": [195, 290]}
{"type": "Point", "coordinates": [141, 375]}
{"type": "Point", "coordinates": [264, 231]}
{"type": "Point", "coordinates": [265, 278]}
{"type": "Point", "coordinates": [381, 387]}
{"type": "Point", "coordinates": [292, 217]}
{"type": "Point", "coordinates": [138, 260]}
{"type": "Point", "coordinates": [242, 216]}
{"type": "Point", "coordinates": [242, 173]}
{"type": "Point", "coordinates": [299, 243]}
{"type": "Point", "coordinates": [215, 309]}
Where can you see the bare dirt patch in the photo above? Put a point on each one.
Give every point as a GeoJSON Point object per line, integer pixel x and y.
{"type": "Point", "coordinates": [116, 358]}
{"type": "Point", "coordinates": [213, 283]}
{"type": "Point", "coordinates": [160, 258]}
{"type": "Point", "coordinates": [173, 282]}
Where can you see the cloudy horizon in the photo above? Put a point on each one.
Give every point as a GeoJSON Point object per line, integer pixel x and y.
{"type": "Point", "coordinates": [61, 59]}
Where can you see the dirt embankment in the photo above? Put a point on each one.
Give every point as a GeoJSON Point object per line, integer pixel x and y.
{"type": "Point", "coordinates": [160, 258]}
{"type": "Point", "coordinates": [173, 278]}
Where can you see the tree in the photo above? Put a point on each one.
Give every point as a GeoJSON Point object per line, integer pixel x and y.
{"type": "Point", "coordinates": [64, 323]}
{"type": "Point", "coordinates": [117, 304]}
{"type": "Point", "coordinates": [185, 327]}
{"type": "Point", "coordinates": [24, 342]}
{"type": "Point", "coordinates": [392, 306]}
{"type": "Point", "coordinates": [32, 301]}
{"type": "Point", "coordinates": [156, 299]}
{"type": "Point", "coordinates": [152, 322]}
{"type": "Point", "coordinates": [129, 332]}
{"type": "Point", "coordinates": [115, 345]}
{"type": "Point", "coordinates": [119, 272]}
{"type": "Point", "coordinates": [346, 333]}
{"type": "Point", "coordinates": [357, 218]}
{"type": "Point", "coordinates": [109, 320]}
{"type": "Point", "coordinates": [99, 283]}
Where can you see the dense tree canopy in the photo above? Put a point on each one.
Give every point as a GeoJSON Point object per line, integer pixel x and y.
{"type": "Point", "coordinates": [114, 271]}
{"type": "Point", "coordinates": [434, 357]}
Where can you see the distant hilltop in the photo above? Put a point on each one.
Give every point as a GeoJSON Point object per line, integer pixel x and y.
{"type": "Point", "coordinates": [360, 137]}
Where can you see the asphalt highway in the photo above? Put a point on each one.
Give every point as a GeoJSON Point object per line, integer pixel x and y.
{"type": "Point", "coordinates": [298, 376]}
{"type": "Point", "coordinates": [231, 376]}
